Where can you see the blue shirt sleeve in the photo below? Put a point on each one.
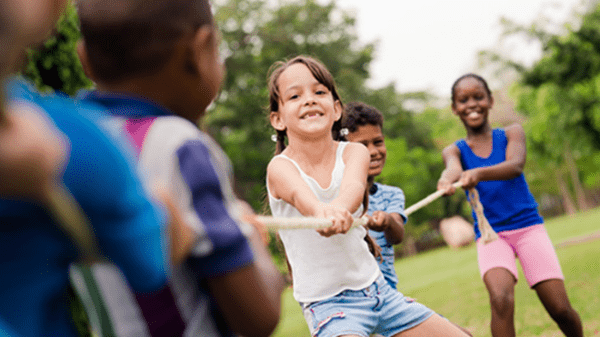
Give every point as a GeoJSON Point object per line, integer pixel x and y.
{"type": "Point", "coordinates": [396, 202]}
{"type": "Point", "coordinates": [230, 249]}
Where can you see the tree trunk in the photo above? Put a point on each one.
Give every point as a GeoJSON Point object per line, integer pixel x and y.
{"type": "Point", "coordinates": [567, 201]}
{"type": "Point", "coordinates": [582, 202]}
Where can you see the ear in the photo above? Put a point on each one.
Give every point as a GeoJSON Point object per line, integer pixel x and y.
{"type": "Point", "coordinates": [453, 107]}
{"type": "Point", "coordinates": [202, 46]}
{"type": "Point", "coordinates": [276, 121]}
{"type": "Point", "coordinates": [337, 108]}
{"type": "Point", "coordinates": [85, 61]}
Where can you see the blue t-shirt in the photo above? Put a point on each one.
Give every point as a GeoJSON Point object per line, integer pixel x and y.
{"type": "Point", "coordinates": [389, 199]}
{"type": "Point", "coordinates": [199, 176]}
{"type": "Point", "coordinates": [507, 204]}
{"type": "Point", "coordinates": [35, 253]}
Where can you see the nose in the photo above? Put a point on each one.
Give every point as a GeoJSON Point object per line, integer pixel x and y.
{"type": "Point", "coordinates": [310, 98]}
{"type": "Point", "coordinates": [471, 102]}
{"type": "Point", "coordinates": [372, 149]}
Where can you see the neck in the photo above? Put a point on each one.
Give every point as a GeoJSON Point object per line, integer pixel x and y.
{"type": "Point", "coordinates": [370, 181]}
{"type": "Point", "coordinates": [483, 131]}
{"type": "Point", "coordinates": [310, 150]}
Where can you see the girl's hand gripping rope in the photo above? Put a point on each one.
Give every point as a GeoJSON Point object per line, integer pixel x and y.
{"type": "Point", "coordinates": [340, 217]}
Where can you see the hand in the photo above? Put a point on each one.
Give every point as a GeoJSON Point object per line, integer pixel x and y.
{"type": "Point", "coordinates": [33, 152]}
{"type": "Point", "coordinates": [342, 219]}
{"type": "Point", "coordinates": [248, 215]}
{"type": "Point", "coordinates": [182, 237]}
{"type": "Point", "coordinates": [469, 178]}
{"type": "Point", "coordinates": [378, 221]}
{"type": "Point", "coordinates": [446, 186]}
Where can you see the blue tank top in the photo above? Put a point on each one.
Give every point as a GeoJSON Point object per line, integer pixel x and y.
{"type": "Point", "coordinates": [507, 204]}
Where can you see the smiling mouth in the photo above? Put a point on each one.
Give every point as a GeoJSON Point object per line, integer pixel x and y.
{"type": "Point", "coordinates": [375, 163]}
{"type": "Point", "coordinates": [311, 114]}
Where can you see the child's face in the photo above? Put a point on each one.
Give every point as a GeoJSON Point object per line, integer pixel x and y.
{"type": "Point", "coordinates": [371, 136]}
{"type": "Point", "coordinates": [306, 105]}
{"type": "Point", "coordinates": [472, 102]}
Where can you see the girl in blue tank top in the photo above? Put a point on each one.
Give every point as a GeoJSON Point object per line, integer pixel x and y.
{"type": "Point", "coordinates": [492, 161]}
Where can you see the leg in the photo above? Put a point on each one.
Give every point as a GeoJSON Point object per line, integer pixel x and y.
{"type": "Point", "coordinates": [553, 295]}
{"type": "Point", "coordinates": [500, 284]}
{"type": "Point", "coordinates": [435, 325]}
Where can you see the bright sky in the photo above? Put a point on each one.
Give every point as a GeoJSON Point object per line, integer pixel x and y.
{"type": "Point", "coordinates": [427, 44]}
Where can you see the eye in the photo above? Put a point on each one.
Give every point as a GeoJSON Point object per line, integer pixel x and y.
{"type": "Point", "coordinates": [321, 92]}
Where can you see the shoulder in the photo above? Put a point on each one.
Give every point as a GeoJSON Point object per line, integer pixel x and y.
{"type": "Point", "coordinates": [353, 150]}
{"type": "Point", "coordinates": [514, 131]}
{"type": "Point", "coordinates": [389, 189]}
{"type": "Point", "coordinates": [177, 127]}
{"type": "Point", "coordinates": [451, 150]}
{"type": "Point", "coordinates": [280, 165]}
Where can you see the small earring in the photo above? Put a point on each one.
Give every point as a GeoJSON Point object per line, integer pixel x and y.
{"type": "Point", "coordinates": [344, 132]}
{"type": "Point", "coordinates": [274, 138]}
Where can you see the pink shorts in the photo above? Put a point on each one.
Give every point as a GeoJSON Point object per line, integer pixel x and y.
{"type": "Point", "coordinates": [531, 245]}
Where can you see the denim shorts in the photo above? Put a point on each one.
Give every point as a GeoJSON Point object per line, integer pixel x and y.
{"type": "Point", "coordinates": [375, 309]}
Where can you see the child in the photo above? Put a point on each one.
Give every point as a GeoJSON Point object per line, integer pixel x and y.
{"type": "Point", "coordinates": [157, 68]}
{"type": "Point", "coordinates": [336, 279]}
{"type": "Point", "coordinates": [35, 252]}
{"type": "Point", "coordinates": [386, 203]}
{"type": "Point", "coordinates": [492, 160]}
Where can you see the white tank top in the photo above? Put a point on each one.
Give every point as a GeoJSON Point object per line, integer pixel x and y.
{"type": "Point", "coordinates": [323, 267]}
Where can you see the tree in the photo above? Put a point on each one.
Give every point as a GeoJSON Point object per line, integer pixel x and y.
{"type": "Point", "coordinates": [256, 34]}
{"type": "Point", "coordinates": [55, 65]}
{"type": "Point", "coordinates": [560, 95]}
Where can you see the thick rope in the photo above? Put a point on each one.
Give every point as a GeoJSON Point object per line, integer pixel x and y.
{"type": "Point", "coordinates": [487, 233]}
{"type": "Point", "coordinates": [73, 221]}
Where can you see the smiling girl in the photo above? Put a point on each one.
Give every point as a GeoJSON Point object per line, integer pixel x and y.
{"type": "Point", "coordinates": [336, 278]}
{"type": "Point", "coordinates": [492, 160]}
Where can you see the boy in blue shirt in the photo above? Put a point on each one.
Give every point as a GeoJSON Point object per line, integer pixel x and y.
{"type": "Point", "coordinates": [386, 203]}
{"type": "Point", "coordinates": [36, 253]}
{"type": "Point", "coordinates": [157, 68]}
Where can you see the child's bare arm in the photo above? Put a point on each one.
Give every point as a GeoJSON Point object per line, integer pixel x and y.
{"type": "Point", "coordinates": [354, 183]}
{"type": "Point", "coordinates": [391, 224]}
{"type": "Point", "coordinates": [512, 167]}
{"type": "Point", "coordinates": [250, 297]}
{"type": "Point", "coordinates": [352, 188]}
{"type": "Point", "coordinates": [286, 183]}
{"type": "Point", "coordinates": [33, 151]}
{"type": "Point", "coordinates": [453, 171]}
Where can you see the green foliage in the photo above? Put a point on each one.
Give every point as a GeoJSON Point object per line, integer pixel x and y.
{"type": "Point", "coordinates": [255, 35]}
{"type": "Point", "coordinates": [55, 65]}
{"type": "Point", "coordinates": [561, 96]}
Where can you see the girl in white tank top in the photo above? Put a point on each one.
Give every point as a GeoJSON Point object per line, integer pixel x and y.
{"type": "Point", "coordinates": [336, 278]}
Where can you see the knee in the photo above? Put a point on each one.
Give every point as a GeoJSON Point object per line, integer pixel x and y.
{"type": "Point", "coordinates": [561, 313]}
{"type": "Point", "coordinates": [502, 302]}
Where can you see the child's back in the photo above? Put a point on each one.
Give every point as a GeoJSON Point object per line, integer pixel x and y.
{"type": "Point", "coordinates": [36, 253]}
{"type": "Point", "coordinates": [156, 104]}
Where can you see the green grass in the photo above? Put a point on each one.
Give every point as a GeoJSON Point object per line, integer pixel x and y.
{"type": "Point", "coordinates": [448, 282]}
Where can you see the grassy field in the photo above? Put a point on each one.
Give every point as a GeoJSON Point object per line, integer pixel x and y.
{"type": "Point", "coordinates": [448, 282]}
